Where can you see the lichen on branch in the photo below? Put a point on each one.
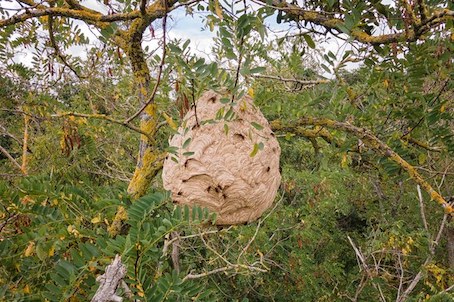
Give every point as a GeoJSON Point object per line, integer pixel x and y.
{"type": "Point", "coordinates": [373, 142]}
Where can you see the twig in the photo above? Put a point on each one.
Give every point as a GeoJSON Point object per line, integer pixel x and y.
{"type": "Point", "coordinates": [104, 117]}
{"type": "Point", "coordinates": [237, 73]}
{"type": "Point", "coordinates": [279, 78]}
{"type": "Point", "coordinates": [16, 164]}
{"type": "Point", "coordinates": [362, 263]}
{"type": "Point", "coordinates": [57, 48]}
{"type": "Point", "coordinates": [161, 65]}
{"type": "Point", "coordinates": [25, 144]}
{"type": "Point", "coordinates": [232, 267]}
{"type": "Point", "coordinates": [421, 207]}
{"type": "Point", "coordinates": [194, 104]}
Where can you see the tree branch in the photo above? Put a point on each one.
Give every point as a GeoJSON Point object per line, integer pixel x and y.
{"type": "Point", "coordinates": [158, 79]}
{"type": "Point", "coordinates": [16, 164]}
{"type": "Point", "coordinates": [298, 81]}
{"type": "Point", "coordinates": [153, 11]}
{"type": "Point", "coordinates": [57, 48]}
{"type": "Point", "coordinates": [328, 21]}
{"type": "Point", "coordinates": [372, 142]}
{"type": "Point", "coordinates": [110, 281]}
{"type": "Point", "coordinates": [106, 118]}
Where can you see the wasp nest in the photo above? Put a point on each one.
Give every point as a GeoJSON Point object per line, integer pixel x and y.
{"type": "Point", "coordinates": [225, 158]}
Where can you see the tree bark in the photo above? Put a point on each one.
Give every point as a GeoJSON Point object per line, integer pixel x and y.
{"type": "Point", "coordinates": [109, 282]}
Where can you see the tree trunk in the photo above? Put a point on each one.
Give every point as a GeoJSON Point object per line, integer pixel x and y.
{"type": "Point", "coordinates": [149, 160]}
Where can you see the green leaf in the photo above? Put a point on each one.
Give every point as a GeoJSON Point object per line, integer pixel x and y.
{"type": "Point", "coordinates": [326, 68]}
{"type": "Point", "coordinates": [254, 150]}
{"type": "Point", "coordinates": [309, 41]}
{"type": "Point", "coordinates": [186, 143]}
{"type": "Point", "coordinates": [256, 126]}
{"type": "Point", "coordinates": [257, 70]}
{"type": "Point", "coordinates": [225, 100]}
{"type": "Point", "coordinates": [188, 153]}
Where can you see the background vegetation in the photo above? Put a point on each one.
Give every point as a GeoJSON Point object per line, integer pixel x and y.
{"type": "Point", "coordinates": [349, 222]}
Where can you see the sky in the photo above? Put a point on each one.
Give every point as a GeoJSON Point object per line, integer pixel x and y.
{"type": "Point", "coordinates": [180, 26]}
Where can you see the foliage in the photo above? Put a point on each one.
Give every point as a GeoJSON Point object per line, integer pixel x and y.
{"type": "Point", "coordinates": [348, 224]}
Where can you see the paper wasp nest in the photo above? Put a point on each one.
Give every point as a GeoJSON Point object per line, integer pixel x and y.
{"type": "Point", "coordinates": [226, 159]}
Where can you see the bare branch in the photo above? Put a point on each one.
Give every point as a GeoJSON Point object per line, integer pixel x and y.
{"type": "Point", "coordinates": [363, 264]}
{"type": "Point", "coordinates": [421, 207]}
{"type": "Point", "coordinates": [16, 164]}
{"type": "Point", "coordinates": [110, 281]}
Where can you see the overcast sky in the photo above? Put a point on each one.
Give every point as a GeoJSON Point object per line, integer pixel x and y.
{"type": "Point", "coordinates": [180, 26]}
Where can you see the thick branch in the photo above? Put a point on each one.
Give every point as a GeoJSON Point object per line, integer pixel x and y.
{"type": "Point", "coordinates": [373, 142]}
{"type": "Point", "coordinates": [77, 11]}
{"type": "Point", "coordinates": [328, 21]}
{"type": "Point", "coordinates": [110, 281]}
{"type": "Point", "coordinates": [158, 79]}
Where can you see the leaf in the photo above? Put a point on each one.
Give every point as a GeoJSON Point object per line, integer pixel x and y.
{"type": "Point", "coordinates": [257, 70]}
{"type": "Point", "coordinates": [256, 126]}
{"type": "Point", "coordinates": [172, 150]}
{"type": "Point", "coordinates": [226, 129]}
{"type": "Point", "coordinates": [188, 153]}
{"type": "Point", "coordinates": [326, 68]}
{"type": "Point", "coordinates": [170, 121]}
{"type": "Point", "coordinates": [254, 150]}
{"type": "Point", "coordinates": [186, 143]}
{"type": "Point", "coordinates": [309, 41]}
{"type": "Point", "coordinates": [225, 100]}
{"type": "Point", "coordinates": [218, 9]}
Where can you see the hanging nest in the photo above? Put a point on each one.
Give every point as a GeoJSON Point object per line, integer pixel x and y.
{"type": "Point", "coordinates": [224, 158]}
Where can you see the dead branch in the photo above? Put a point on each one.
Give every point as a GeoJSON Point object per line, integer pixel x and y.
{"type": "Point", "coordinates": [110, 281]}
{"type": "Point", "coordinates": [15, 163]}
{"type": "Point", "coordinates": [365, 267]}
